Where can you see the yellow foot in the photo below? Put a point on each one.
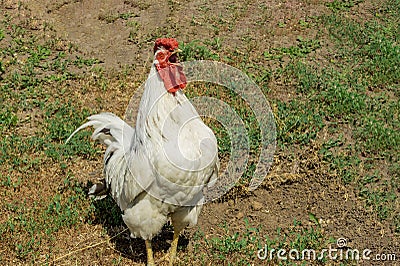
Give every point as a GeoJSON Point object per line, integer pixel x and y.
{"type": "Point", "coordinates": [164, 258]}
{"type": "Point", "coordinates": [167, 258]}
{"type": "Point", "coordinates": [150, 259]}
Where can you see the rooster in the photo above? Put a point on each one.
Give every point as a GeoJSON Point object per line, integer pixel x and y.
{"type": "Point", "coordinates": [159, 168]}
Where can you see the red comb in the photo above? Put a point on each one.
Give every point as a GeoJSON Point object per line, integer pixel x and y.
{"type": "Point", "coordinates": [168, 43]}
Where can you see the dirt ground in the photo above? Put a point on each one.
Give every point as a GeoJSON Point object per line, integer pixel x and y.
{"type": "Point", "coordinates": [292, 190]}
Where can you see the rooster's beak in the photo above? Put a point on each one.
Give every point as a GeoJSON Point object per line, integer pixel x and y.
{"type": "Point", "coordinates": [176, 51]}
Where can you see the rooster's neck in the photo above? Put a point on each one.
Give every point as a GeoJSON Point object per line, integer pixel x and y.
{"type": "Point", "coordinates": [155, 105]}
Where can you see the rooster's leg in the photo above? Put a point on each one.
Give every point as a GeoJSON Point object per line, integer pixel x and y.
{"type": "Point", "coordinates": [174, 246]}
{"type": "Point", "coordinates": [150, 259]}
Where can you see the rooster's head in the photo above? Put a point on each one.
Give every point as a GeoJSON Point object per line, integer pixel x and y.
{"type": "Point", "coordinates": [166, 62]}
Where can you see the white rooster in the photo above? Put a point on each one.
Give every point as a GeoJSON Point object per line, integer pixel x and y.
{"type": "Point", "coordinates": [159, 168]}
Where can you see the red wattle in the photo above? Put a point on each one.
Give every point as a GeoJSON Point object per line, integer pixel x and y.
{"type": "Point", "coordinates": [173, 77]}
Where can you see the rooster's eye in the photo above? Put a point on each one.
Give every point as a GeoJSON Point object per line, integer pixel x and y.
{"type": "Point", "coordinates": [161, 57]}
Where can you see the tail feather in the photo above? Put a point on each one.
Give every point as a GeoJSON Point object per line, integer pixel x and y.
{"type": "Point", "coordinates": [108, 129]}
{"type": "Point", "coordinates": [117, 135]}
{"type": "Point", "coordinates": [98, 191]}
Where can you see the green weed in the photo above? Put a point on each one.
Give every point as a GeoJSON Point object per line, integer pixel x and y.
{"type": "Point", "coordinates": [340, 5]}
{"type": "Point", "coordinates": [239, 247]}
{"type": "Point", "coordinates": [37, 224]}
{"type": "Point", "coordinates": [194, 50]}
{"type": "Point", "coordinates": [111, 17]}
{"type": "Point", "coordinates": [372, 46]}
{"type": "Point", "coordinates": [381, 201]}
{"type": "Point", "coordinates": [302, 49]}
{"type": "Point", "coordinates": [7, 119]}
{"type": "Point", "coordinates": [297, 123]}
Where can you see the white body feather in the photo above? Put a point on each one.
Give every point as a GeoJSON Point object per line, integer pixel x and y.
{"type": "Point", "coordinates": [159, 168]}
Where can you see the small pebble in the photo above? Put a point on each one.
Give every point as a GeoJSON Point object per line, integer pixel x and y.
{"type": "Point", "coordinates": [255, 205]}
